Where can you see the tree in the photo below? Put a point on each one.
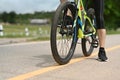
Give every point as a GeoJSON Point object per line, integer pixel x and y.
{"type": "Point", "coordinates": [8, 17]}
{"type": "Point", "coordinates": [12, 17]}
{"type": "Point", "coordinates": [112, 13]}
{"type": "Point", "coordinates": [4, 17]}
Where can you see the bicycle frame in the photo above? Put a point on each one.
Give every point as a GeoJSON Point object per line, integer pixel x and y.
{"type": "Point", "coordinates": [80, 19]}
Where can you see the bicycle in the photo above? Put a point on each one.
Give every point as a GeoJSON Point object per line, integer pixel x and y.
{"type": "Point", "coordinates": [64, 36]}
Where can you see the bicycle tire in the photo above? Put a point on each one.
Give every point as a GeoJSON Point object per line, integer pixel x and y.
{"type": "Point", "coordinates": [87, 52]}
{"type": "Point", "coordinates": [56, 53]}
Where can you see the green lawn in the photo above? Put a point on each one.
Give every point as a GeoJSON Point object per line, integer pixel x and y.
{"type": "Point", "coordinates": [109, 32]}
{"type": "Point", "coordinates": [15, 31]}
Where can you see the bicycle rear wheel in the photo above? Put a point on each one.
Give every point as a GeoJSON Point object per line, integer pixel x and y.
{"type": "Point", "coordinates": [87, 46]}
{"type": "Point", "coordinates": [89, 42]}
{"type": "Point", "coordinates": [62, 43]}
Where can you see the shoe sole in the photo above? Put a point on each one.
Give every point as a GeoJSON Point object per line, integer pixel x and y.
{"type": "Point", "coordinates": [100, 60]}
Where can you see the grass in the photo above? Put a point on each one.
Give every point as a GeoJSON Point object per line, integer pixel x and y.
{"type": "Point", "coordinates": [111, 32]}
{"type": "Point", "coordinates": [36, 32]}
{"type": "Point", "coordinates": [18, 31]}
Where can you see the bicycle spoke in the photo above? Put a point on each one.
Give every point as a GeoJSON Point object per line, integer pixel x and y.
{"type": "Point", "coordinates": [64, 45]}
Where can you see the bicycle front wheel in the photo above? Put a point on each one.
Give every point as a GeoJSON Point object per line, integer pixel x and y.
{"type": "Point", "coordinates": [62, 44]}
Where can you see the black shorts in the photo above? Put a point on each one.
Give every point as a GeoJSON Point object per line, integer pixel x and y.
{"type": "Point", "coordinates": [99, 13]}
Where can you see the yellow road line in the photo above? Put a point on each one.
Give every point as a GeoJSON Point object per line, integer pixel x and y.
{"type": "Point", "coordinates": [51, 68]}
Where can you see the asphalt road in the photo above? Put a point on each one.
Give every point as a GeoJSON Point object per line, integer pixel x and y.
{"type": "Point", "coordinates": [33, 61]}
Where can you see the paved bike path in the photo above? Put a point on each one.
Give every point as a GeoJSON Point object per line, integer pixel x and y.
{"type": "Point", "coordinates": [34, 62]}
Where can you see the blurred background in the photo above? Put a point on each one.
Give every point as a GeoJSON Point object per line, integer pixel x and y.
{"type": "Point", "coordinates": [32, 18]}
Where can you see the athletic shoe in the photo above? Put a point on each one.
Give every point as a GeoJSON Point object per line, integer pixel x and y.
{"type": "Point", "coordinates": [102, 55]}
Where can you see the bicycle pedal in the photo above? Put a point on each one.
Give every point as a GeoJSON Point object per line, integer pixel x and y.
{"type": "Point", "coordinates": [95, 44]}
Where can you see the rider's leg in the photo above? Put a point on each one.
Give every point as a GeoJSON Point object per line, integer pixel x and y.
{"type": "Point", "coordinates": [99, 11]}
{"type": "Point", "coordinates": [68, 17]}
{"type": "Point", "coordinates": [68, 11]}
{"type": "Point", "coordinates": [102, 37]}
